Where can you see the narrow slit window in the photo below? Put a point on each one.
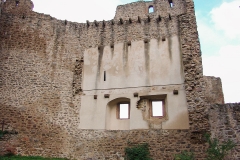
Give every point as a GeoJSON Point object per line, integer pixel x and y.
{"type": "Point", "coordinates": [170, 3]}
{"type": "Point", "coordinates": [104, 76]}
{"type": "Point", "coordinates": [123, 111]}
{"type": "Point", "coordinates": [150, 9]}
{"type": "Point", "coordinates": [157, 109]}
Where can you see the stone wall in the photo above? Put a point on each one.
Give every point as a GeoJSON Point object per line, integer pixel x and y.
{"type": "Point", "coordinates": [213, 92]}
{"type": "Point", "coordinates": [20, 7]}
{"type": "Point", "coordinates": [41, 61]}
{"type": "Point", "coordinates": [192, 62]}
{"type": "Point", "coordinates": [225, 125]}
{"type": "Point", "coordinates": [140, 9]}
{"type": "Point", "coordinates": [38, 55]}
{"type": "Point", "coordinates": [163, 144]}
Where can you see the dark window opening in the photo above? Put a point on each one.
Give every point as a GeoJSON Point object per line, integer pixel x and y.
{"type": "Point", "coordinates": [171, 3]}
{"type": "Point", "coordinates": [17, 2]}
{"type": "Point", "coordinates": [104, 76]}
{"type": "Point", "coordinates": [150, 9]}
{"type": "Point", "coordinates": [157, 108]}
{"type": "Point", "coordinates": [123, 111]}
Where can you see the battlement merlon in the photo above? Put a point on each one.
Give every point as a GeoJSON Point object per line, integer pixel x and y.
{"type": "Point", "coordinates": [16, 7]}
{"type": "Point", "coordinates": [162, 8]}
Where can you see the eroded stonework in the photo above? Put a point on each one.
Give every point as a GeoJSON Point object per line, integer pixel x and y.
{"type": "Point", "coordinates": [50, 84]}
{"type": "Point", "coordinates": [213, 92]}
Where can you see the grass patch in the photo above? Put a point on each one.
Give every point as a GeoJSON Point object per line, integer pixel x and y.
{"type": "Point", "coordinates": [28, 158]}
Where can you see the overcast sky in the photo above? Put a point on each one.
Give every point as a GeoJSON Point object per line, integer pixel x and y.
{"type": "Point", "coordinates": [218, 25]}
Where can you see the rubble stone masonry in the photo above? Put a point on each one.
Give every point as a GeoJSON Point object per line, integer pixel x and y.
{"type": "Point", "coordinates": [213, 92]}
{"type": "Point", "coordinates": [41, 67]}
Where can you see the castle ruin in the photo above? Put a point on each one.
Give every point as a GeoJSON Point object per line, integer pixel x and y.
{"type": "Point", "coordinates": [89, 90]}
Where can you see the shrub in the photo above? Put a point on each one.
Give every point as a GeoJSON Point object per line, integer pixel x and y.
{"type": "Point", "coordinates": [217, 151]}
{"type": "Point", "coordinates": [185, 156]}
{"type": "Point", "coordinates": [139, 152]}
{"type": "Point", "coordinates": [2, 133]}
{"type": "Point", "coordinates": [18, 157]}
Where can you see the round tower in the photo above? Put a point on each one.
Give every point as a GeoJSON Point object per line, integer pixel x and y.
{"type": "Point", "coordinates": [17, 7]}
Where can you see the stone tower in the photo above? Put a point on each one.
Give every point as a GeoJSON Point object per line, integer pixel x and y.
{"type": "Point", "coordinates": [17, 7]}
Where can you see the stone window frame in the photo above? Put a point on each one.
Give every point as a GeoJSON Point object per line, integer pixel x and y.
{"type": "Point", "coordinates": [163, 108]}
{"type": "Point", "coordinates": [118, 111]}
{"type": "Point", "coordinates": [147, 112]}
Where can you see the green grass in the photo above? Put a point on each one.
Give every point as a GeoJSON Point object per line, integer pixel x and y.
{"type": "Point", "coordinates": [28, 158]}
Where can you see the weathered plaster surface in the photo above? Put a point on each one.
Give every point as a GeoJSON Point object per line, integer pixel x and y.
{"type": "Point", "coordinates": [44, 95]}
{"type": "Point", "coordinates": [93, 112]}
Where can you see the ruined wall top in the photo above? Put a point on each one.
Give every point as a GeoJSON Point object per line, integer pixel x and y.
{"type": "Point", "coordinates": [16, 7]}
{"type": "Point", "coordinates": [162, 8]}
{"type": "Point", "coordinates": [213, 90]}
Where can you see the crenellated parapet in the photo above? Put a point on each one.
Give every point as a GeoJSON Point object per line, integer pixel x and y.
{"type": "Point", "coordinates": [100, 33]}
{"type": "Point", "coordinates": [129, 30]}
{"type": "Point", "coordinates": [131, 23]}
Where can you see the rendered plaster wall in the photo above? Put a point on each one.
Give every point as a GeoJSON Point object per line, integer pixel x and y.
{"type": "Point", "coordinates": [117, 71]}
{"type": "Point", "coordinates": [95, 112]}
{"type": "Point", "coordinates": [157, 63]}
{"type": "Point", "coordinates": [152, 62]}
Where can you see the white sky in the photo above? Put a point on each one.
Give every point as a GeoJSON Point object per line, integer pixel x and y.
{"type": "Point", "coordinates": [219, 32]}
{"type": "Point", "coordinates": [220, 42]}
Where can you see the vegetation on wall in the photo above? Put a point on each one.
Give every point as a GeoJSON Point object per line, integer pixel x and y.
{"type": "Point", "coordinates": [216, 150]}
{"type": "Point", "coordinates": [12, 157]}
{"type": "Point", "coordinates": [2, 133]}
{"type": "Point", "coordinates": [138, 152]}
{"type": "Point", "coordinates": [185, 156]}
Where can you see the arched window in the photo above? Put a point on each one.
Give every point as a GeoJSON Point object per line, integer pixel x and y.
{"type": "Point", "coordinates": [150, 9]}
{"type": "Point", "coordinates": [118, 114]}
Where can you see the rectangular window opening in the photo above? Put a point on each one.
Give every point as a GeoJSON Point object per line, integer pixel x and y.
{"type": "Point", "coordinates": [157, 109]}
{"type": "Point", "coordinates": [124, 111]}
